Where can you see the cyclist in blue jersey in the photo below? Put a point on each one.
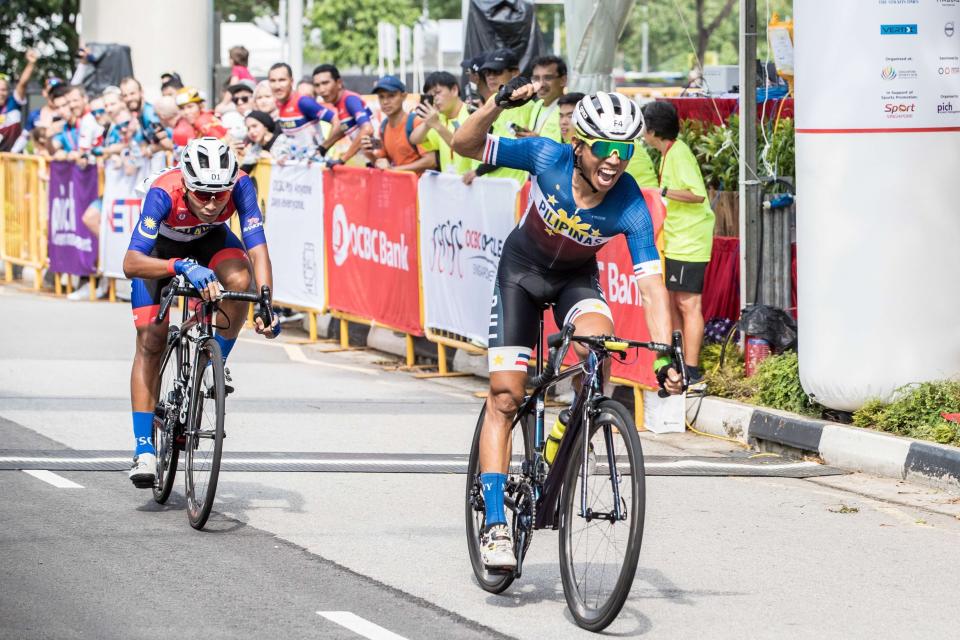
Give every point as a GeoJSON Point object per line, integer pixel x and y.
{"type": "Point", "coordinates": [183, 230]}
{"type": "Point", "coordinates": [580, 199]}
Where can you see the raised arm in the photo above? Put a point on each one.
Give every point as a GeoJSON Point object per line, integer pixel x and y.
{"type": "Point", "coordinates": [471, 137]}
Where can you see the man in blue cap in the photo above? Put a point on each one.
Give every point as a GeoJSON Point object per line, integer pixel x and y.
{"type": "Point", "coordinates": [393, 149]}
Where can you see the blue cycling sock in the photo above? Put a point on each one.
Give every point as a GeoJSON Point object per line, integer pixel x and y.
{"type": "Point", "coordinates": [493, 484]}
{"type": "Point", "coordinates": [143, 432]}
{"type": "Point", "coordinates": [226, 345]}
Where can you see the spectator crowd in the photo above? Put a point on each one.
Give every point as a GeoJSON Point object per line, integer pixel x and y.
{"type": "Point", "coordinates": [302, 120]}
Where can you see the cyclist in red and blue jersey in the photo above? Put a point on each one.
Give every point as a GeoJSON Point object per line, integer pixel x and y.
{"type": "Point", "coordinates": [299, 116]}
{"type": "Point", "coordinates": [183, 230]}
{"type": "Point", "coordinates": [354, 115]}
{"type": "Point", "coordinates": [580, 199]}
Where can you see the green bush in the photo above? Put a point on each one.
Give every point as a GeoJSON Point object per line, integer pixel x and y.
{"type": "Point", "coordinates": [778, 385]}
{"type": "Point", "coordinates": [915, 412]}
{"type": "Point", "coordinates": [726, 381]}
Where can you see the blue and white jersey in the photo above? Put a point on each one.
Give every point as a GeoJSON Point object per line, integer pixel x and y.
{"type": "Point", "coordinates": [561, 235]}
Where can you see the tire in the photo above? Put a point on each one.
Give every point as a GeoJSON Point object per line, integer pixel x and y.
{"type": "Point", "coordinates": [475, 517]}
{"type": "Point", "coordinates": [595, 614]}
{"type": "Point", "coordinates": [165, 417]}
{"type": "Point", "coordinates": [204, 436]}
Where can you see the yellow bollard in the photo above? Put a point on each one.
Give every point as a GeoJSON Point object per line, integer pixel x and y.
{"type": "Point", "coordinates": [93, 288]}
{"type": "Point", "coordinates": [312, 324]}
{"type": "Point", "coordinates": [441, 359]}
{"type": "Point", "coordinates": [411, 356]}
{"type": "Point", "coordinates": [638, 408]}
{"type": "Point", "coordinates": [344, 334]}
{"type": "Point", "coordinates": [112, 290]}
{"type": "Point", "coordinates": [56, 284]}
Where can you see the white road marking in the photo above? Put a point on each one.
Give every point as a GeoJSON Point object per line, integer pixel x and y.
{"type": "Point", "coordinates": [51, 478]}
{"type": "Point", "coordinates": [360, 626]}
{"type": "Point", "coordinates": [295, 353]}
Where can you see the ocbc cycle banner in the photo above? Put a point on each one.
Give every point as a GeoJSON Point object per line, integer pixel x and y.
{"type": "Point", "coordinates": [294, 229]}
{"type": "Point", "coordinates": [120, 211]}
{"type": "Point", "coordinates": [71, 247]}
{"type": "Point", "coordinates": [462, 231]}
{"type": "Point", "coordinates": [370, 224]}
{"type": "Point", "coordinates": [622, 291]}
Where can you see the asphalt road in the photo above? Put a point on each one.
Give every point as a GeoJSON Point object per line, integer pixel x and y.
{"type": "Point", "coordinates": [841, 557]}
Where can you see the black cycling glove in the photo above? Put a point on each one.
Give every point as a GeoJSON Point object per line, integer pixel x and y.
{"type": "Point", "coordinates": [503, 95]}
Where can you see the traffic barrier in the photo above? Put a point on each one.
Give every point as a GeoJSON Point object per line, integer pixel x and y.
{"type": "Point", "coordinates": [23, 221]}
{"type": "Point", "coordinates": [368, 246]}
{"type": "Point", "coordinates": [370, 241]}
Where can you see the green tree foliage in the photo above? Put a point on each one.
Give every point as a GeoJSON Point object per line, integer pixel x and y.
{"type": "Point", "coordinates": [245, 10]}
{"type": "Point", "coordinates": [348, 28]}
{"type": "Point", "coordinates": [49, 26]}
{"type": "Point", "coordinates": [679, 29]}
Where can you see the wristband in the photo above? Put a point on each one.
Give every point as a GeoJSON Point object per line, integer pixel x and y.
{"type": "Point", "coordinates": [661, 362]}
{"type": "Point", "coordinates": [172, 266]}
{"type": "Point", "coordinates": [663, 192]}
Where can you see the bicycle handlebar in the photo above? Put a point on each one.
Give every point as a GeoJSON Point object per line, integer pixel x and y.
{"type": "Point", "coordinates": [177, 288]}
{"type": "Point", "coordinates": [559, 344]}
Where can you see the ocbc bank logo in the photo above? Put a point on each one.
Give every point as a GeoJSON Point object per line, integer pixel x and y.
{"type": "Point", "coordinates": [365, 243]}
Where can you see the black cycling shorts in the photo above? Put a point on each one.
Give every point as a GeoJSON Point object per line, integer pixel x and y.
{"type": "Point", "coordinates": [522, 289]}
{"type": "Point", "coordinates": [685, 276]}
{"type": "Point", "coordinates": [210, 250]}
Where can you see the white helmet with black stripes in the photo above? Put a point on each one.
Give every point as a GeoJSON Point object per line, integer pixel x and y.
{"type": "Point", "coordinates": [208, 164]}
{"type": "Point", "coordinates": [612, 116]}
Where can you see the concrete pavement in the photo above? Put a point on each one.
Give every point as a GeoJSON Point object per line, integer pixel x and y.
{"type": "Point", "coordinates": [845, 557]}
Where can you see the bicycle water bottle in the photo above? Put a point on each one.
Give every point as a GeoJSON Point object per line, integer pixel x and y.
{"type": "Point", "coordinates": [556, 435]}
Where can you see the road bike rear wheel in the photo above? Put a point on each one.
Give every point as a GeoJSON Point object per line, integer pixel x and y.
{"type": "Point", "coordinates": [204, 435]}
{"type": "Point", "coordinates": [522, 449]}
{"type": "Point", "coordinates": [166, 414]}
{"type": "Point", "coordinates": [599, 555]}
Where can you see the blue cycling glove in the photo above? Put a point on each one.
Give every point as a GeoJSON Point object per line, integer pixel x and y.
{"type": "Point", "coordinates": [198, 275]}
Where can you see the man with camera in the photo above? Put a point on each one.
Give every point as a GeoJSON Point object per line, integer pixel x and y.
{"type": "Point", "coordinates": [393, 149]}
{"type": "Point", "coordinates": [443, 112]}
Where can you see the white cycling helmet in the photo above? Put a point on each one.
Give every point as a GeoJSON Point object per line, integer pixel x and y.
{"type": "Point", "coordinates": [208, 164]}
{"type": "Point", "coordinates": [612, 116]}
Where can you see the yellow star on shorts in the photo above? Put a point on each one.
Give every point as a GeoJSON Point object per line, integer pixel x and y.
{"type": "Point", "coordinates": [596, 232]}
{"type": "Point", "coordinates": [498, 360]}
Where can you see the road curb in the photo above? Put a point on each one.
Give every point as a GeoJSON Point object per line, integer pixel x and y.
{"type": "Point", "coordinates": [838, 445]}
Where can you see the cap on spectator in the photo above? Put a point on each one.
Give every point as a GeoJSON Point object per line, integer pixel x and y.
{"type": "Point", "coordinates": [499, 60]}
{"type": "Point", "coordinates": [170, 75]}
{"type": "Point", "coordinates": [263, 118]}
{"type": "Point", "coordinates": [391, 84]}
{"type": "Point", "coordinates": [243, 85]}
{"type": "Point", "coordinates": [52, 82]}
{"type": "Point", "coordinates": [473, 64]}
{"type": "Point", "coordinates": [187, 95]}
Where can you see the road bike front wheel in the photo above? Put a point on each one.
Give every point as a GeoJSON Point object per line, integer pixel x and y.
{"type": "Point", "coordinates": [204, 435]}
{"type": "Point", "coordinates": [521, 449]}
{"type": "Point", "coordinates": [601, 517]}
{"type": "Point", "coordinates": [166, 414]}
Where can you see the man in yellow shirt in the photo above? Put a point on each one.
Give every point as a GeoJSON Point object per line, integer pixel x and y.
{"type": "Point", "coordinates": [498, 68]}
{"type": "Point", "coordinates": [551, 73]}
{"type": "Point", "coordinates": [687, 229]}
{"type": "Point", "coordinates": [443, 112]}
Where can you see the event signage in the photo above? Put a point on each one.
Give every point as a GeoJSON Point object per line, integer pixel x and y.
{"type": "Point", "coordinates": [123, 193]}
{"type": "Point", "coordinates": [370, 230]}
{"type": "Point", "coordinates": [462, 231]}
{"type": "Point", "coordinates": [71, 247]}
{"type": "Point", "coordinates": [294, 229]}
{"type": "Point", "coordinates": [902, 74]}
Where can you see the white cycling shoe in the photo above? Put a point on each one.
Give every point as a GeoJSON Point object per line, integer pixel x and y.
{"type": "Point", "coordinates": [144, 471]}
{"type": "Point", "coordinates": [208, 381]}
{"type": "Point", "coordinates": [496, 548]}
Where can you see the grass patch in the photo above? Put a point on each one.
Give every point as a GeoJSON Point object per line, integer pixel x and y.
{"type": "Point", "coordinates": [915, 412]}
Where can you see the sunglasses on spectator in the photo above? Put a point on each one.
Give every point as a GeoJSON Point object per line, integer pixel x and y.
{"type": "Point", "coordinates": [123, 125]}
{"type": "Point", "coordinates": [98, 112]}
{"type": "Point", "coordinates": [207, 196]}
{"type": "Point", "coordinates": [603, 149]}
{"type": "Point", "coordinates": [243, 99]}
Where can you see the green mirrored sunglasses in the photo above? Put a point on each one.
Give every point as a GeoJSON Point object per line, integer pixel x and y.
{"type": "Point", "coordinates": [603, 149]}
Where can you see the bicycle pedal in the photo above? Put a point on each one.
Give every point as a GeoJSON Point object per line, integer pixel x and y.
{"type": "Point", "coordinates": [227, 389]}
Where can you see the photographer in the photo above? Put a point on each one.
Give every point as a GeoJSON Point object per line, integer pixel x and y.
{"type": "Point", "coordinates": [393, 149]}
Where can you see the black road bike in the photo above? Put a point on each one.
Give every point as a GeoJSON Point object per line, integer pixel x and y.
{"type": "Point", "coordinates": [189, 415]}
{"type": "Point", "coordinates": [593, 492]}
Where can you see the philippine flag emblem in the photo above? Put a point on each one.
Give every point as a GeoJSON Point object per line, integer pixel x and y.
{"type": "Point", "coordinates": [522, 359]}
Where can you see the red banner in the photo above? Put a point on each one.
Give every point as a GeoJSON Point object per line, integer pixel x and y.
{"type": "Point", "coordinates": [623, 296]}
{"type": "Point", "coordinates": [370, 225]}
